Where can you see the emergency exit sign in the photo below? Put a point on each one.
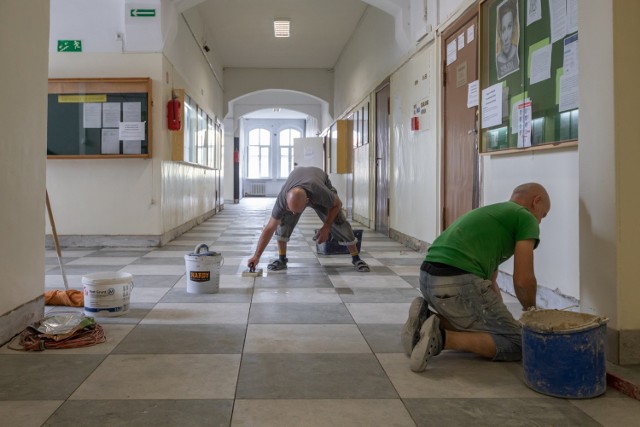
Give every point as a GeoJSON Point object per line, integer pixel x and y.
{"type": "Point", "coordinates": [143, 12]}
{"type": "Point", "coordinates": [69, 45]}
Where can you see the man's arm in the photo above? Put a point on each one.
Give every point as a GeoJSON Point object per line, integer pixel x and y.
{"type": "Point", "coordinates": [263, 241]}
{"type": "Point", "coordinates": [323, 234]}
{"type": "Point", "coordinates": [524, 278]}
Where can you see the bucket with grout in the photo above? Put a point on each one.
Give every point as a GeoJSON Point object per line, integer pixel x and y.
{"type": "Point", "coordinates": [563, 353]}
{"type": "Point", "coordinates": [106, 294]}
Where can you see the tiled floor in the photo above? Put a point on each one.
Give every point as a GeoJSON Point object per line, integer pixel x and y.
{"type": "Point", "coordinates": [317, 345]}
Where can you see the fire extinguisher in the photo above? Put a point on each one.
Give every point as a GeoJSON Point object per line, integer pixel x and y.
{"type": "Point", "coordinates": [173, 114]}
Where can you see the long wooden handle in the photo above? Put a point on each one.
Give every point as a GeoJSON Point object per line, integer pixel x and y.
{"type": "Point", "coordinates": [55, 240]}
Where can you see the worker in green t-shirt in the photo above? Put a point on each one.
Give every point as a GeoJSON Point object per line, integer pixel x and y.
{"type": "Point", "coordinates": [458, 280]}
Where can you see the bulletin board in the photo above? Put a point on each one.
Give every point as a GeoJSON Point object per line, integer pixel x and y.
{"type": "Point", "coordinates": [99, 118]}
{"type": "Point", "coordinates": [528, 73]}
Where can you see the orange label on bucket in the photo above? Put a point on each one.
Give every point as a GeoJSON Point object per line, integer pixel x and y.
{"type": "Point", "coordinates": [199, 276]}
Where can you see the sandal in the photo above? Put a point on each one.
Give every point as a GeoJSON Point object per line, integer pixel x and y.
{"type": "Point", "coordinates": [361, 266]}
{"type": "Point", "coordinates": [278, 265]}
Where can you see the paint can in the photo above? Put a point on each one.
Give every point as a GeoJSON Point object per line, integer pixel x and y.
{"type": "Point", "coordinates": [203, 270]}
{"type": "Point", "coordinates": [563, 353]}
{"type": "Point", "coordinates": [106, 294]}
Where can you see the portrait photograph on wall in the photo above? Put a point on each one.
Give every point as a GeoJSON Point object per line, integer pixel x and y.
{"type": "Point", "coordinates": [507, 39]}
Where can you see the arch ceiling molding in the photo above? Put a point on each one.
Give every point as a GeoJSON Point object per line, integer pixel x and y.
{"type": "Point", "coordinates": [299, 102]}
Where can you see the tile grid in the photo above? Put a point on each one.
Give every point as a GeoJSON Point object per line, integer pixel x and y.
{"type": "Point", "coordinates": [315, 345]}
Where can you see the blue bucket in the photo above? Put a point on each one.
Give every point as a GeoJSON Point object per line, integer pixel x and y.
{"type": "Point", "coordinates": [563, 353]}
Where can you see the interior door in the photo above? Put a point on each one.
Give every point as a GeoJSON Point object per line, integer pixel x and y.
{"type": "Point", "coordinates": [460, 152]}
{"type": "Point", "coordinates": [383, 96]}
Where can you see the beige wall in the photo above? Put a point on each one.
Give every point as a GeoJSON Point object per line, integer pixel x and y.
{"type": "Point", "coordinates": [626, 63]}
{"type": "Point", "coordinates": [24, 35]}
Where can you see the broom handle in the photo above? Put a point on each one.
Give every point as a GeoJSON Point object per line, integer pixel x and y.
{"type": "Point", "coordinates": [55, 240]}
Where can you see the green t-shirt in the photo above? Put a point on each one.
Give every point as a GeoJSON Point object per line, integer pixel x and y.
{"type": "Point", "coordinates": [483, 238]}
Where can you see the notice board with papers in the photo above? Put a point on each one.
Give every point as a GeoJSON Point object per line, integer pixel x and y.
{"type": "Point", "coordinates": [99, 118]}
{"type": "Point", "coordinates": [528, 73]}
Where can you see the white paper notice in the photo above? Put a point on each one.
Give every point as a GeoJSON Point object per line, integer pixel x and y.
{"type": "Point", "coordinates": [110, 141]}
{"type": "Point", "coordinates": [558, 13]}
{"type": "Point", "coordinates": [110, 114]}
{"type": "Point", "coordinates": [569, 98]}
{"type": "Point", "coordinates": [524, 123]}
{"type": "Point", "coordinates": [534, 11]}
{"type": "Point", "coordinates": [492, 106]}
{"type": "Point", "coordinates": [91, 115]}
{"type": "Point", "coordinates": [472, 94]}
{"type": "Point", "coordinates": [572, 16]}
{"type": "Point", "coordinates": [461, 41]}
{"type": "Point", "coordinates": [471, 33]}
{"type": "Point", "coordinates": [132, 131]}
{"type": "Point", "coordinates": [131, 112]}
{"type": "Point", "coordinates": [570, 60]}
{"type": "Point", "coordinates": [540, 65]}
{"type": "Point", "coordinates": [132, 147]}
{"type": "Point", "coordinates": [451, 52]}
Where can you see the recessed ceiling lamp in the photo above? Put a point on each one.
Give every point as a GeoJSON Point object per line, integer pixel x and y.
{"type": "Point", "coordinates": [281, 27]}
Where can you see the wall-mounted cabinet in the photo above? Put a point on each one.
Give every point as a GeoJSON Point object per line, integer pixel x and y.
{"type": "Point", "coordinates": [341, 147]}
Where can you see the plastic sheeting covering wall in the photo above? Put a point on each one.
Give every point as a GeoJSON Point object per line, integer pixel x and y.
{"type": "Point", "coordinates": [361, 182]}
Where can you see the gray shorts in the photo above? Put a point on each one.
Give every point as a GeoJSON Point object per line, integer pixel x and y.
{"type": "Point", "coordinates": [340, 229]}
{"type": "Point", "coordinates": [469, 303]}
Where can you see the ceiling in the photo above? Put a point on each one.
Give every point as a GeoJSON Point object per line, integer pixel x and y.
{"type": "Point", "coordinates": [240, 32]}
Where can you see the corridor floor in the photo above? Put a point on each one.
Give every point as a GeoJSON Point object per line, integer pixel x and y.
{"type": "Point", "coordinates": [315, 345]}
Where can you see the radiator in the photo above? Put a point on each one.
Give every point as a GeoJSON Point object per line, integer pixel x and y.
{"type": "Point", "coordinates": [257, 189]}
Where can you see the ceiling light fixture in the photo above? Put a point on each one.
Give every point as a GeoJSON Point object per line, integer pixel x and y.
{"type": "Point", "coordinates": [281, 27]}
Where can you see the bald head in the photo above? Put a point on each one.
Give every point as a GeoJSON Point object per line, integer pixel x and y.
{"type": "Point", "coordinates": [534, 197]}
{"type": "Point", "coordinates": [297, 200]}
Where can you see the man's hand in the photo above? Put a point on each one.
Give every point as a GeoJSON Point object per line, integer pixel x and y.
{"type": "Point", "coordinates": [322, 235]}
{"type": "Point", "coordinates": [253, 261]}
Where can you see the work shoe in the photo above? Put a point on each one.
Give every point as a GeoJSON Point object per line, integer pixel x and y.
{"type": "Point", "coordinates": [278, 265]}
{"type": "Point", "coordinates": [418, 313]}
{"type": "Point", "coordinates": [429, 345]}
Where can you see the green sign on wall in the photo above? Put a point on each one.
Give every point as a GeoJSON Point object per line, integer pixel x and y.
{"type": "Point", "coordinates": [69, 45]}
{"type": "Point", "coordinates": [143, 12]}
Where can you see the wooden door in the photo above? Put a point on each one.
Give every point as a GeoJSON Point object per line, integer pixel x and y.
{"type": "Point", "coordinates": [383, 96]}
{"type": "Point", "coordinates": [460, 152]}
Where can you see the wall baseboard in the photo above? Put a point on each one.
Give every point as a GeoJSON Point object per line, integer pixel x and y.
{"type": "Point", "coordinates": [126, 241]}
{"type": "Point", "coordinates": [15, 321]}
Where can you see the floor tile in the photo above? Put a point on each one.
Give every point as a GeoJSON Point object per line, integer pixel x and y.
{"type": "Point", "coordinates": [495, 412]}
{"type": "Point", "coordinates": [183, 376]}
{"type": "Point", "coordinates": [312, 376]}
{"type": "Point", "coordinates": [28, 413]}
{"type": "Point", "coordinates": [29, 376]}
{"type": "Point", "coordinates": [299, 295]}
{"type": "Point", "coordinates": [318, 313]}
{"type": "Point", "coordinates": [198, 313]}
{"type": "Point", "coordinates": [143, 412]}
{"type": "Point", "coordinates": [317, 413]}
{"type": "Point", "coordinates": [183, 339]}
{"type": "Point", "coordinates": [293, 338]}
{"type": "Point", "coordinates": [456, 375]}
{"type": "Point", "coordinates": [379, 312]}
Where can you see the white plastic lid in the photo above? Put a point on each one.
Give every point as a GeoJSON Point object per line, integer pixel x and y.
{"type": "Point", "coordinates": [107, 278]}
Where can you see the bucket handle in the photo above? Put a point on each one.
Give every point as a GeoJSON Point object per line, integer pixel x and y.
{"type": "Point", "coordinates": [200, 246]}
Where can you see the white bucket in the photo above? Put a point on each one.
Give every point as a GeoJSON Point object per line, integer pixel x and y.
{"type": "Point", "coordinates": [107, 294]}
{"type": "Point", "coordinates": [203, 270]}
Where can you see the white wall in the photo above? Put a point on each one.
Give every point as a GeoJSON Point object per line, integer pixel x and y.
{"type": "Point", "coordinates": [414, 154]}
{"type": "Point", "coordinates": [147, 195]}
{"type": "Point", "coordinates": [370, 57]}
{"type": "Point", "coordinates": [24, 31]}
{"type": "Point", "coordinates": [241, 81]}
{"type": "Point", "coordinates": [557, 256]}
